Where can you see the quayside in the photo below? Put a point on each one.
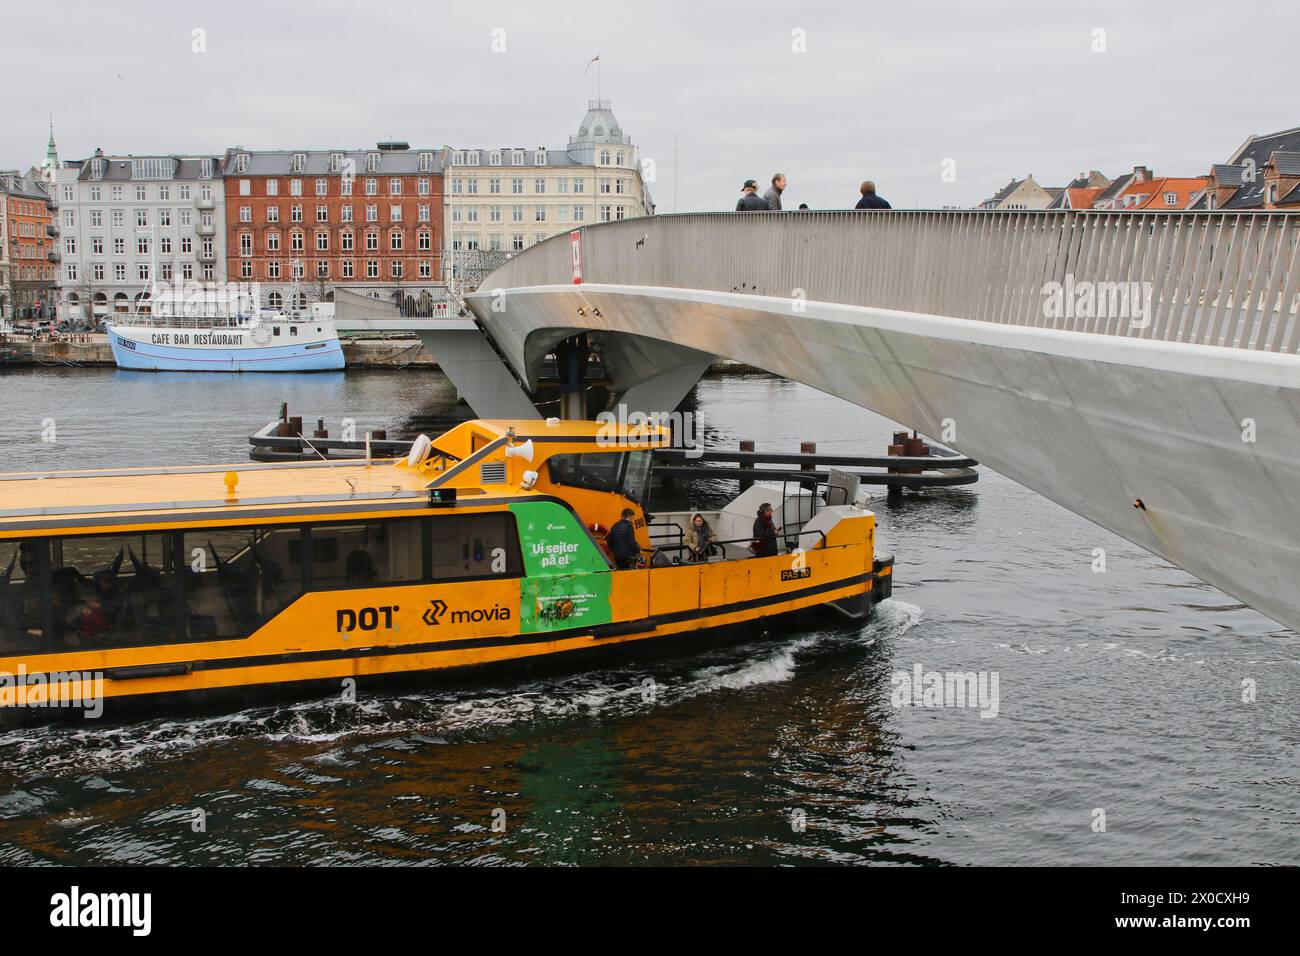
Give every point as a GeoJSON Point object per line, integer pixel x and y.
{"type": "Point", "coordinates": [487, 546]}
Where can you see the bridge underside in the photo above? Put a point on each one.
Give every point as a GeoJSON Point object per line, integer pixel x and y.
{"type": "Point", "coordinates": [1092, 422]}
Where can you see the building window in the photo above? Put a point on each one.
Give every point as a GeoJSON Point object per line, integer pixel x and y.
{"type": "Point", "coordinates": [1171, 199]}
{"type": "Point", "coordinates": [516, 213]}
{"type": "Point", "coordinates": [245, 187]}
{"type": "Point", "coordinates": [605, 213]}
{"type": "Point", "coordinates": [164, 217]}
{"type": "Point", "coordinates": [272, 213]}
{"type": "Point", "coordinates": [322, 268]}
{"type": "Point", "coordinates": [142, 217]}
{"type": "Point", "coordinates": [71, 271]}
{"type": "Point", "coordinates": [142, 193]}
{"type": "Point", "coordinates": [295, 213]}
{"type": "Point", "coordinates": [345, 241]}
{"type": "Point", "coordinates": [372, 241]}
{"type": "Point", "coordinates": [394, 187]}
{"type": "Point", "coordinates": [494, 158]}
{"type": "Point", "coordinates": [539, 158]}
{"type": "Point", "coordinates": [298, 163]}
{"type": "Point", "coordinates": [322, 187]}
{"type": "Point", "coordinates": [517, 242]}
{"type": "Point", "coordinates": [424, 241]}
{"type": "Point", "coordinates": [142, 245]}
{"type": "Point", "coordinates": [517, 157]}
{"type": "Point", "coordinates": [348, 269]}
{"type": "Point", "coordinates": [183, 191]}
{"type": "Point", "coordinates": [165, 245]}
{"type": "Point", "coordinates": [322, 241]}
{"type": "Point", "coordinates": [345, 186]}
{"type": "Point", "coordinates": [395, 268]}
{"type": "Point", "coordinates": [426, 270]}
{"type": "Point", "coordinates": [517, 186]}
{"type": "Point", "coordinates": [471, 187]}
{"type": "Point", "coordinates": [539, 214]}
{"type": "Point", "coordinates": [395, 240]}
{"type": "Point", "coordinates": [579, 185]}
{"type": "Point", "coordinates": [372, 187]}
{"type": "Point", "coordinates": [245, 244]}
{"type": "Point", "coordinates": [245, 213]}
{"type": "Point", "coordinates": [295, 270]}
{"type": "Point", "coordinates": [272, 242]}
{"type": "Point", "coordinates": [97, 272]}
{"type": "Point", "coordinates": [336, 161]}
{"type": "Point", "coordinates": [539, 185]}
{"type": "Point", "coordinates": [426, 162]}
{"type": "Point", "coordinates": [273, 187]}
{"type": "Point", "coordinates": [422, 187]}
{"type": "Point", "coordinates": [273, 270]}
{"type": "Point", "coordinates": [97, 245]}
{"type": "Point", "coordinates": [296, 242]}
{"type": "Point", "coordinates": [372, 163]}
{"type": "Point", "coordinates": [578, 213]}
{"type": "Point", "coordinates": [422, 214]}
{"type": "Point", "coordinates": [394, 213]}
{"type": "Point", "coordinates": [245, 269]}
{"type": "Point", "coordinates": [494, 214]}
{"type": "Point", "coordinates": [494, 185]}
{"type": "Point", "coordinates": [372, 212]}
{"type": "Point", "coordinates": [372, 268]}
{"type": "Point", "coordinates": [322, 213]}
{"type": "Point", "coordinates": [295, 187]}
{"type": "Point", "coordinates": [96, 193]}
{"type": "Point", "coordinates": [345, 213]}
{"type": "Point", "coordinates": [604, 184]}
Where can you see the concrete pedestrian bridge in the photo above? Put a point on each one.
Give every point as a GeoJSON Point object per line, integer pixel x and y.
{"type": "Point", "coordinates": [1140, 369]}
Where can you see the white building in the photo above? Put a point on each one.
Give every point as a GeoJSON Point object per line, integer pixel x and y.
{"type": "Point", "coordinates": [503, 199]}
{"type": "Point", "coordinates": [120, 218]}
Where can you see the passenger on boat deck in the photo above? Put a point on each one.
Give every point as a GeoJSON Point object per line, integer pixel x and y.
{"type": "Point", "coordinates": [699, 539]}
{"type": "Point", "coordinates": [764, 544]}
{"type": "Point", "coordinates": [622, 541]}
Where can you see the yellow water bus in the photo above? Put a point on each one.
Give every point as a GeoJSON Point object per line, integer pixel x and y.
{"type": "Point", "coordinates": [482, 547]}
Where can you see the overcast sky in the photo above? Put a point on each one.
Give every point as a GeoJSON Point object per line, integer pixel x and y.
{"type": "Point", "coordinates": [881, 91]}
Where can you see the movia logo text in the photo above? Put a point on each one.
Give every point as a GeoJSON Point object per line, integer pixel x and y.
{"type": "Point", "coordinates": [438, 608]}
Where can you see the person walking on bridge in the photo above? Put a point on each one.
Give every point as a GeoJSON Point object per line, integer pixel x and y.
{"type": "Point", "coordinates": [869, 198]}
{"type": "Point", "coordinates": [750, 200]}
{"type": "Point", "coordinates": [773, 196]}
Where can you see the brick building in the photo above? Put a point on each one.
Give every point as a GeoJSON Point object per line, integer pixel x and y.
{"type": "Point", "coordinates": [304, 222]}
{"type": "Point", "coordinates": [31, 256]}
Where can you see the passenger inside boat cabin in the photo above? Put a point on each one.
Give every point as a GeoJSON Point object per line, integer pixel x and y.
{"type": "Point", "coordinates": [699, 539]}
{"type": "Point", "coordinates": [623, 543]}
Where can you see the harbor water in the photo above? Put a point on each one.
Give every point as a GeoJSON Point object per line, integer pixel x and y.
{"type": "Point", "coordinates": [1131, 714]}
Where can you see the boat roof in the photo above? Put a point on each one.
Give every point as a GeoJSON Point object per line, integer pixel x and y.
{"type": "Point", "coordinates": [87, 499]}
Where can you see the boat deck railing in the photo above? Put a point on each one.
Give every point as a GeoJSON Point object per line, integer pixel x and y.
{"type": "Point", "coordinates": [154, 320]}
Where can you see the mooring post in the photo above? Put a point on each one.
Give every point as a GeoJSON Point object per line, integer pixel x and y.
{"type": "Point", "coordinates": [808, 464]}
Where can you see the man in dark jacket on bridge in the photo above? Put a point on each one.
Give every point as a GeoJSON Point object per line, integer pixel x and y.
{"type": "Point", "coordinates": [869, 198]}
{"type": "Point", "coordinates": [622, 541]}
{"type": "Point", "coordinates": [750, 200]}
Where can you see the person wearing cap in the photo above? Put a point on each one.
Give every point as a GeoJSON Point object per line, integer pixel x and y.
{"type": "Point", "coordinates": [869, 198]}
{"type": "Point", "coordinates": [773, 196]}
{"type": "Point", "coordinates": [750, 200]}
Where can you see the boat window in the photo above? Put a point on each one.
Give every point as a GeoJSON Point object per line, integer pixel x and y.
{"type": "Point", "coordinates": [361, 555]}
{"type": "Point", "coordinates": [601, 471]}
{"type": "Point", "coordinates": [23, 568]}
{"type": "Point", "coordinates": [237, 579]}
{"type": "Point", "coordinates": [475, 546]}
{"type": "Point", "coordinates": [636, 481]}
{"type": "Point", "coordinates": [111, 591]}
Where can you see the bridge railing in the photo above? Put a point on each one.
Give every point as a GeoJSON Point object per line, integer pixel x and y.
{"type": "Point", "coordinates": [1218, 278]}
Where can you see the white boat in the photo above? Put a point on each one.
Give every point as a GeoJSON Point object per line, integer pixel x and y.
{"type": "Point", "coordinates": [220, 330]}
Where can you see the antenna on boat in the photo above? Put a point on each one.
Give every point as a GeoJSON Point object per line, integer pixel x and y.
{"type": "Point", "coordinates": [352, 482]}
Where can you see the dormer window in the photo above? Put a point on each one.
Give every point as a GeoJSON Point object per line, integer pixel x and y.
{"type": "Point", "coordinates": [299, 162]}
{"type": "Point", "coordinates": [517, 157]}
{"type": "Point", "coordinates": [426, 162]}
{"type": "Point", "coordinates": [372, 162]}
{"type": "Point", "coordinates": [206, 169]}
{"type": "Point", "coordinates": [1171, 199]}
{"type": "Point", "coordinates": [241, 163]}
{"type": "Point", "coordinates": [494, 158]}
{"type": "Point", "coordinates": [336, 162]}
{"type": "Point", "coordinates": [539, 157]}
{"type": "Point", "coordinates": [97, 169]}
